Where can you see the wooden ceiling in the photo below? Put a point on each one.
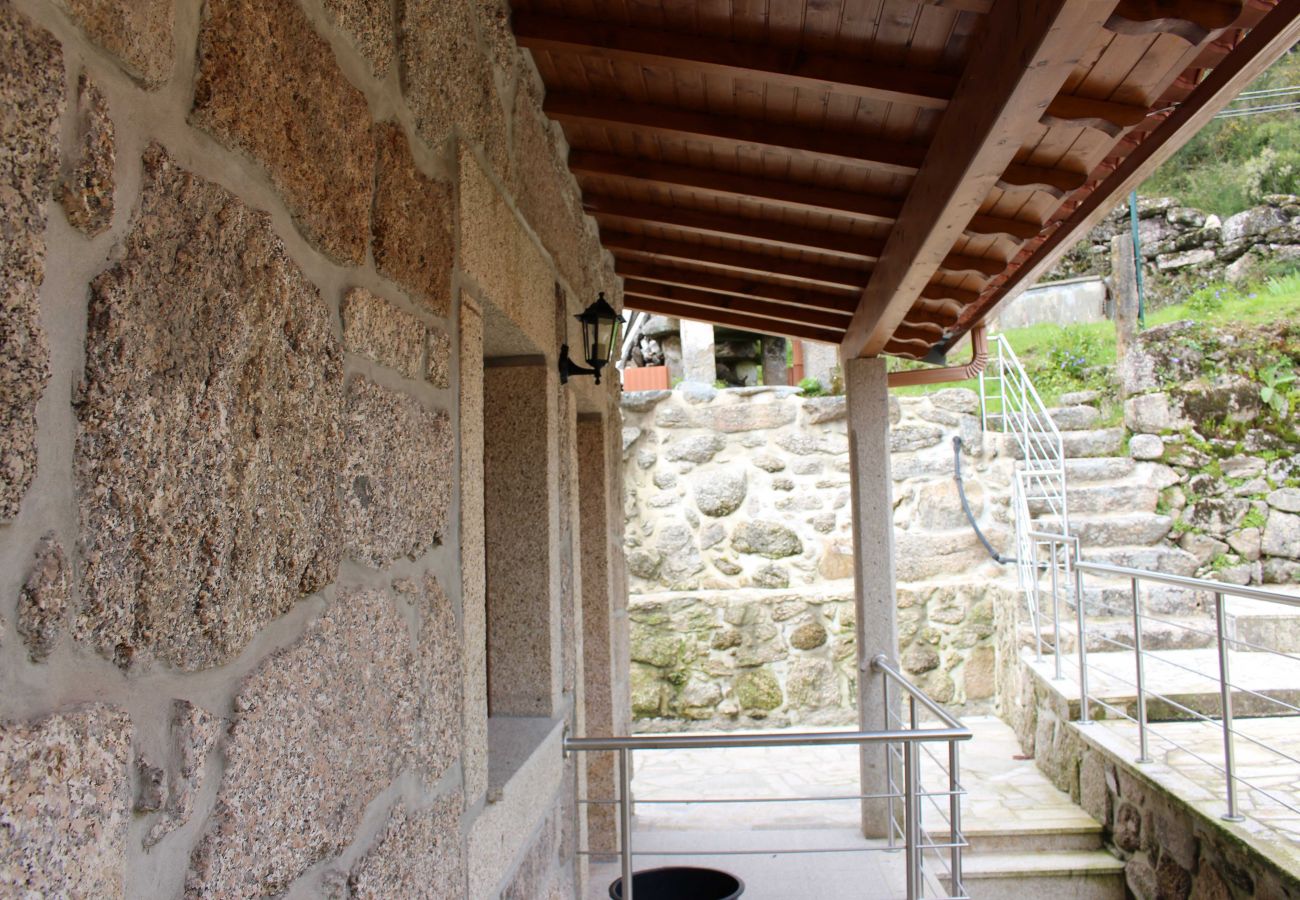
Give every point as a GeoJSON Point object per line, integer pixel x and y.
{"type": "Point", "coordinates": [873, 173]}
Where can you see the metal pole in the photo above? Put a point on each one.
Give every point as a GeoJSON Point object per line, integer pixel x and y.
{"type": "Point", "coordinates": [891, 782]}
{"type": "Point", "coordinates": [1084, 717]}
{"type": "Point", "coordinates": [1225, 695]}
{"type": "Point", "coordinates": [625, 818]}
{"type": "Point", "coordinates": [1143, 755]}
{"type": "Point", "coordinates": [1056, 610]}
{"type": "Point", "coordinates": [1038, 607]}
{"type": "Point", "coordinates": [954, 819]}
{"type": "Point", "coordinates": [912, 810]}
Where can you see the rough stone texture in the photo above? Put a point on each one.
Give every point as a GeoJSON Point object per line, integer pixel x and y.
{"type": "Point", "coordinates": [1282, 535]}
{"type": "Point", "coordinates": [446, 78]}
{"type": "Point", "coordinates": [65, 804]}
{"type": "Point", "coordinates": [268, 85]}
{"type": "Point", "coordinates": [699, 449]}
{"type": "Point", "coordinates": [31, 101]}
{"type": "Point", "coordinates": [377, 330]}
{"type": "Point", "coordinates": [297, 777]}
{"type": "Point", "coordinates": [1146, 446]}
{"type": "Point", "coordinates": [419, 854]}
{"type": "Point", "coordinates": [137, 32]}
{"type": "Point", "coordinates": [1286, 499]}
{"type": "Point", "coordinates": [412, 222]}
{"type": "Point", "coordinates": [194, 732]}
{"type": "Point", "coordinates": [395, 490]}
{"type": "Point", "coordinates": [370, 24]}
{"type": "Point", "coordinates": [770, 539]}
{"type": "Point", "coordinates": [720, 493]}
{"type": "Point", "coordinates": [86, 192]}
{"type": "Point", "coordinates": [211, 356]}
{"type": "Point", "coordinates": [43, 601]}
{"type": "Point", "coordinates": [437, 366]}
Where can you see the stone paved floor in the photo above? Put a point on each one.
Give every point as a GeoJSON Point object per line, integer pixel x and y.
{"type": "Point", "coordinates": [1005, 793]}
{"type": "Point", "coordinates": [1194, 750]}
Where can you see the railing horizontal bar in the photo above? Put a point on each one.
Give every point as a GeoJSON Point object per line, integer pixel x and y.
{"type": "Point", "coordinates": [1202, 584]}
{"type": "Point", "coordinates": [675, 802]}
{"type": "Point", "coordinates": [883, 664]}
{"type": "Point", "coordinates": [722, 741]}
{"type": "Point", "coordinates": [771, 851]}
{"type": "Point", "coordinates": [1246, 690]}
{"type": "Point", "coordinates": [1258, 743]}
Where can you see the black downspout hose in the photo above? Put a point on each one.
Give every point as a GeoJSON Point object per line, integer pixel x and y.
{"type": "Point", "coordinates": [965, 505]}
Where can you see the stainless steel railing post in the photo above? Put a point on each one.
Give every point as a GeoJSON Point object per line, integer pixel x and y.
{"type": "Point", "coordinates": [1143, 755]}
{"type": "Point", "coordinates": [1056, 610]}
{"type": "Point", "coordinates": [1084, 716]}
{"type": "Point", "coordinates": [912, 811]}
{"type": "Point", "coordinates": [891, 783]}
{"type": "Point", "coordinates": [954, 819]}
{"type": "Point", "coordinates": [625, 818]}
{"type": "Point", "coordinates": [1225, 697]}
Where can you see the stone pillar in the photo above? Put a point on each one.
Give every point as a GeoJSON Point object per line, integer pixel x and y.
{"type": "Point", "coordinates": [820, 361]}
{"type": "Point", "coordinates": [774, 368]}
{"type": "Point", "coordinates": [599, 673]}
{"type": "Point", "coordinates": [697, 352]}
{"type": "Point", "coordinates": [1135, 370]}
{"type": "Point", "coordinates": [873, 566]}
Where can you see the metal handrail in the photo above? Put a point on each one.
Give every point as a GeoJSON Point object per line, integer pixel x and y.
{"type": "Point", "coordinates": [1221, 592]}
{"type": "Point", "coordinates": [909, 740]}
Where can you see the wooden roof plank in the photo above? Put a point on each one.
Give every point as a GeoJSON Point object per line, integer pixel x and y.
{"type": "Point", "coordinates": [791, 67]}
{"type": "Point", "coordinates": [728, 318]}
{"type": "Point", "coordinates": [739, 260]}
{"type": "Point", "coordinates": [739, 227]}
{"type": "Point", "coordinates": [739, 286]}
{"type": "Point", "coordinates": [737, 134]}
{"type": "Point", "coordinates": [747, 305]}
{"type": "Point", "coordinates": [1026, 53]}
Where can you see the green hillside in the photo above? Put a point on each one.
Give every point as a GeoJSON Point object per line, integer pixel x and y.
{"type": "Point", "coordinates": [1234, 162]}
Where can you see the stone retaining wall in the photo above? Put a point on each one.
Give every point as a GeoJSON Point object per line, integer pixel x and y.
{"type": "Point", "coordinates": [243, 242]}
{"type": "Point", "coordinates": [739, 550]}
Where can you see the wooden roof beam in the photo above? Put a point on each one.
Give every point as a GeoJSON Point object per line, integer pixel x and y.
{"type": "Point", "coordinates": [623, 244]}
{"type": "Point", "coordinates": [792, 67]}
{"type": "Point", "coordinates": [776, 234]}
{"type": "Point", "coordinates": [1106, 116]}
{"type": "Point", "coordinates": [731, 133]}
{"type": "Point", "coordinates": [763, 308]}
{"type": "Point", "coordinates": [730, 319]}
{"type": "Point", "coordinates": [1024, 56]}
{"type": "Point", "coordinates": [734, 186]}
{"type": "Point", "coordinates": [740, 287]}
{"type": "Point", "coordinates": [1191, 20]}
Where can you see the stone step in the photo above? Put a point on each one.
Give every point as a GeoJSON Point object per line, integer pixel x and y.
{"type": "Point", "coordinates": [1177, 681]}
{"type": "Point", "coordinates": [1264, 625]}
{"type": "Point", "coordinates": [1096, 442]}
{"type": "Point", "coordinates": [1044, 875]}
{"type": "Point", "coordinates": [1027, 836]}
{"type": "Point", "coordinates": [1170, 560]}
{"type": "Point", "coordinates": [1117, 530]}
{"type": "Point", "coordinates": [1100, 468]}
{"type": "Point", "coordinates": [1105, 633]}
{"type": "Point", "coordinates": [1075, 418]}
{"type": "Point", "coordinates": [1103, 498]}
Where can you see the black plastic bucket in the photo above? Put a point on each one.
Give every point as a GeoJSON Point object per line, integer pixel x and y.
{"type": "Point", "coordinates": [680, 883]}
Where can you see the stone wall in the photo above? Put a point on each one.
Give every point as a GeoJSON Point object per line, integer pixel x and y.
{"type": "Point", "coordinates": [254, 255]}
{"type": "Point", "coordinates": [740, 550]}
{"type": "Point", "coordinates": [1184, 248]}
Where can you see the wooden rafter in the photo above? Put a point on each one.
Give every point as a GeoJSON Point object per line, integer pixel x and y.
{"type": "Point", "coordinates": [793, 68]}
{"type": "Point", "coordinates": [732, 132]}
{"type": "Point", "coordinates": [730, 185]}
{"type": "Point", "coordinates": [623, 244]}
{"type": "Point", "coordinates": [1026, 53]}
{"type": "Point", "coordinates": [775, 234]}
{"type": "Point", "coordinates": [728, 318]}
{"type": "Point", "coordinates": [757, 288]}
{"type": "Point", "coordinates": [706, 300]}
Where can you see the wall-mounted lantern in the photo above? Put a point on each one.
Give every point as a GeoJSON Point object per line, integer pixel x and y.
{"type": "Point", "coordinates": [600, 327]}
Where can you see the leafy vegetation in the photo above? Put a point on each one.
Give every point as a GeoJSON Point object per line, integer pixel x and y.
{"type": "Point", "coordinates": [1232, 164]}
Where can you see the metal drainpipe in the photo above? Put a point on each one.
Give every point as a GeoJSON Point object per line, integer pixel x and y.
{"type": "Point", "coordinates": [979, 360]}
